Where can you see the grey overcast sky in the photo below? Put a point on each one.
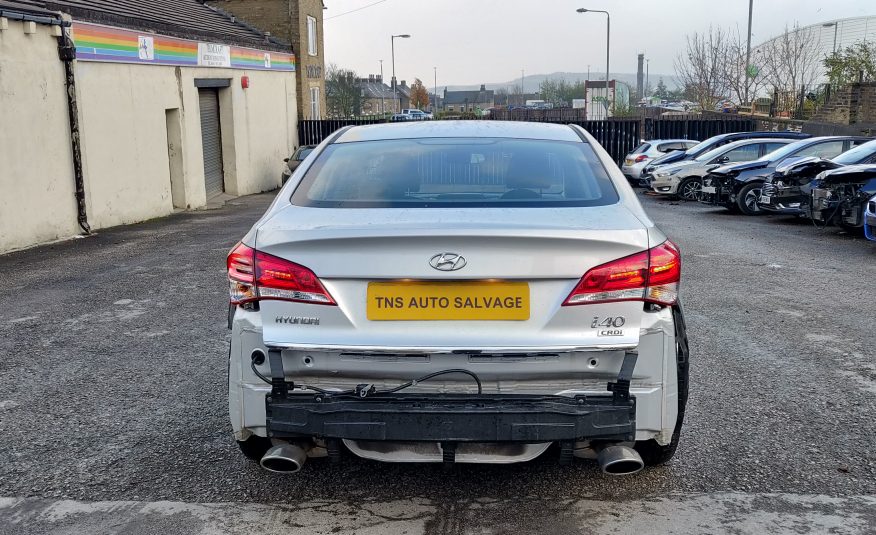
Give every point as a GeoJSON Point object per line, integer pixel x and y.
{"type": "Point", "coordinates": [476, 41]}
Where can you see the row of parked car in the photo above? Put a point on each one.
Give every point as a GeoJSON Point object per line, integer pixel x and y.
{"type": "Point", "coordinates": [829, 179]}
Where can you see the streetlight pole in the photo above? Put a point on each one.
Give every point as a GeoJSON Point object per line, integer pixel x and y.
{"type": "Point", "coordinates": [607, 49]}
{"type": "Point", "coordinates": [748, 51]}
{"type": "Point", "coordinates": [394, 89]}
{"type": "Point", "coordinates": [382, 102]}
{"type": "Point", "coordinates": [435, 104]}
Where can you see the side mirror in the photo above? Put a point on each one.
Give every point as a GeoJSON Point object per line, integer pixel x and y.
{"type": "Point", "coordinates": [286, 160]}
{"type": "Point", "coordinates": [723, 159]}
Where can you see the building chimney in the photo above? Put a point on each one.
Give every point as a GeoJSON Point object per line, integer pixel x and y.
{"type": "Point", "coordinates": [483, 87]}
{"type": "Point", "coordinates": [640, 78]}
{"type": "Point", "coordinates": [404, 83]}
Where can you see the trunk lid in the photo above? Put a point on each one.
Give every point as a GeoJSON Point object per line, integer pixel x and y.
{"type": "Point", "coordinates": [547, 249]}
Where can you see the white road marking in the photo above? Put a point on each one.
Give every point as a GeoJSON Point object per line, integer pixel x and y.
{"type": "Point", "coordinates": [716, 513]}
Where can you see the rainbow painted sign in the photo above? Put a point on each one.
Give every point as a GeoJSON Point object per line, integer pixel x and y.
{"type": "Point", "coordinates": [95, 42]}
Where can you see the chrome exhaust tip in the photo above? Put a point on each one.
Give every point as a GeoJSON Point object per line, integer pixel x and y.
{"type": "Point", "coordinates": [284, 459]}
{"type": "Point", "coordinates": [619, 460]}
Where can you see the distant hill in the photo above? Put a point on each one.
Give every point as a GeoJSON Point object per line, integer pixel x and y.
{"type": "Point", "coordinates": [533, 81]}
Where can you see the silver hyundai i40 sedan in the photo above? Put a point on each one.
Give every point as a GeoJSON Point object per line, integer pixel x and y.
{"type": "Point", "coordinates": [470, 292]}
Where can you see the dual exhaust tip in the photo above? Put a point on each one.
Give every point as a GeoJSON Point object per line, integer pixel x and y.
{"type": "Point", "coordinates": [284, 459]}
{"type": "Point", "coordinates": [618, 460]}
{"type": "Point", "coordinates": [613, 460]}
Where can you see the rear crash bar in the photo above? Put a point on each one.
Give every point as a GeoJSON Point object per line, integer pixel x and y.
{"type": "Point", "coordinates": [451, 417]}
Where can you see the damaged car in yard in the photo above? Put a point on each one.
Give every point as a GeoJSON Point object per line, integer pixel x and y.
{"type": "Point", "coordinates": [788, 188]}
{"type": "Point", "coordinates": [457, 292]}
{"type": "Point", "coordinates": [870, 219]}
{"type": "Point", "coordinates": [685, 178]}
{"type": "Point", "coordinates": [738, 187]}
{"type": "Point", "coordinates": [841, 196]}
{"type": "Point", "coordinates": [703, 147]}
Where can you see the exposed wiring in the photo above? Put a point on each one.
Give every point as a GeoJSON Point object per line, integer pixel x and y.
{"type": "Point", "coordinates": [354, 10]}
{"type": "Point", "coordinates": [390, 391]}
{"type": "Point", "coordinates": [436, 374]}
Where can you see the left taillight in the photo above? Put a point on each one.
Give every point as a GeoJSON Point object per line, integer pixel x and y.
{"type": "Point", "coordinates": [641, 158]}
{"type": "Point", "coordinates": [254, 275]}
{"type": "Point", "coordinates": [650, 276]}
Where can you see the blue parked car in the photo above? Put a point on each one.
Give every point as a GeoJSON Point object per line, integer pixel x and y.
{"type": "Point", "coordinates": [870, 219]}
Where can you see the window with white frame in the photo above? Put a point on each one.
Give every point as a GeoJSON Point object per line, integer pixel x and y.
{"type": "Point", "coordinates": [311, 36]}
{"type": "Point", "coordinates": [314, 103]}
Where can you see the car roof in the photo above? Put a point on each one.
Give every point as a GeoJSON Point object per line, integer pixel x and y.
{"type": "Point", "coordinates": [755, 140]}
{"type": "Point", "coordinates": [455, 129]}
{"type": "Point", "coordinates": [678, 140]}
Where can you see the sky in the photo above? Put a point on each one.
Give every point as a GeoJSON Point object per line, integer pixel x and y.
{"type": "Point", "coordinates": [480, 41]}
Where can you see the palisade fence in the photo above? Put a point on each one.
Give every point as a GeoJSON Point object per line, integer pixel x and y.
{"type": "Point", "coordinates": [617, 135]}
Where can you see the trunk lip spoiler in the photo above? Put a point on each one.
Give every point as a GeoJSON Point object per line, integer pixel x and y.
{"type": "Point", "coordinates": [462, 350]}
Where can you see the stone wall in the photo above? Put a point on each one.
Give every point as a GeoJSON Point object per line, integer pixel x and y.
{"type": "Point", "coordinates": [851, 104]}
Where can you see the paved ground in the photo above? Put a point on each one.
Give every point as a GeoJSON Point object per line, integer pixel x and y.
{"type": "Point", "coordinates": [113, 411]}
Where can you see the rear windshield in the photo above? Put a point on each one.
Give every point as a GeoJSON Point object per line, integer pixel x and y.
{"type": "Point", "coordinates": [641, 148]}
{"type": "Point", "coordinates": [441, 172]}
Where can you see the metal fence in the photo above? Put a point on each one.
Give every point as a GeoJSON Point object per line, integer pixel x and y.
{"type": "Point", "coordinates": [696, 127]}
{"type": "Point", "coordinates": [617, 135]}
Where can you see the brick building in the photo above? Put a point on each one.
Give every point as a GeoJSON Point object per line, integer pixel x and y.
{"type": "Point", "coordinates": [300, 23]}
{"type": "Point", "coordinates": [377, 97]}
{"type": "Point", "coordinates": [469, 101]}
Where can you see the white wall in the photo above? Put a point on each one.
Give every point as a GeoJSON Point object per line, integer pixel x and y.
{"type": "Point", "coordinates": [123, 124]}
{"type": "Point", "coordinates": [37, 202]}
{"type": "Point", "coordinates": [124, 132]}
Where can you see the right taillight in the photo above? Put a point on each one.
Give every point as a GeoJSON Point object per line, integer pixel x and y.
{"type": "Point", "coordinates": [651, 276]}
{"type": "Point", "coordinates": [254, 275]}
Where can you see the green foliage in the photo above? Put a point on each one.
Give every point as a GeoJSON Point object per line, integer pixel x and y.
{"type": "Point", "coordinates": [560, 93]}
{"type": "Point", "coordinates": [855, 63]}
{"type": "Point", "coordinates": [661, 92]}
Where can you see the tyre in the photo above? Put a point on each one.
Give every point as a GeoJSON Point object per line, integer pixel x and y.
{"type": "Point", "coordinates": [651, 452]}
{"type": "Point", "coordinates": [255, 447]}
{"type": "Point", "coordinates": [747, 199]}
{"type": "Point", "coordinates": [689, 188]}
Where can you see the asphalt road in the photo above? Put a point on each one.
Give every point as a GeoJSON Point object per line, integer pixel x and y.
{"type": "Point", "coordinates": [113, 406]}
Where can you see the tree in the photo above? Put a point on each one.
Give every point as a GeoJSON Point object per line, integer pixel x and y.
{"type": "Point", "coordinates": [560, 92]}
{"type": "Point", "coordinates": [661, 92]}
{"type": "Point", "coordinates": [342, 92]}
{"type": "Point", "coordinates": [792, 60]}
{"type": "Point", "coordinates": [743, 80]}
{"type": "Point", "coordinates": [419, 94]}
{"type": "Point", "coordinates": [701, 67]}
{"type": "Point", "coordinates": [855, 63]}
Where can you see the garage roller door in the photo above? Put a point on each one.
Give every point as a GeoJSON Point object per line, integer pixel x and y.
{"type": "Point", "coordinates": [211, 138]}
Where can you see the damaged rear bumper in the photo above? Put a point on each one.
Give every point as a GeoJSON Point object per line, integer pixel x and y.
{"type": "Point", "coordinates": [453, 418]}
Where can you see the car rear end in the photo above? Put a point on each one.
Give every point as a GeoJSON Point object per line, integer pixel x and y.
{"type": "Point", "coordinates": [636, 160]}
{"type": "Point", "coordinates": [448, 306]}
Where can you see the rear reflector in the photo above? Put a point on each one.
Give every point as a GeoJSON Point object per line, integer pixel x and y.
{"type": "Point", "coordinates": [651, 276]}
{"type": "Point", "coordinates": [255, 275]}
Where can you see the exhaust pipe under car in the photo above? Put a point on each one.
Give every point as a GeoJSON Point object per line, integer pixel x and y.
{"type": "Point", "coordinates": [284, 459]}
{"type": "Point", "coordinates": [618, 460]}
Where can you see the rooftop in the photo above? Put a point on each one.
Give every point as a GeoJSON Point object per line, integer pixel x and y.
{"type": "Point", "coordinates": [187, 19]}
{"type": "Point", "coordinates": [460, 129]}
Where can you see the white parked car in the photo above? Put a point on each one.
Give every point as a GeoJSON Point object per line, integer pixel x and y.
{"type": "Point", "coordinates": [457, 291]}
{"type": "Point", "coordinates": [642, 155]}
{"type": "Point", "coordinates": [685, 178]}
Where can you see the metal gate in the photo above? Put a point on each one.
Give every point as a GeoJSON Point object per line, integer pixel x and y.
{"type": "Point", "coordinates": [211, 138]}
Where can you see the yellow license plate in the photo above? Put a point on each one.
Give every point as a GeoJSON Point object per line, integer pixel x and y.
{"type": "Point", "coordinates": [444, 301]}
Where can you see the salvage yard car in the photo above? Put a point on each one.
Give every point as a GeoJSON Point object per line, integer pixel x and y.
{"type": "Point", "coordinates": [710, 144]}
{"type": "Point", "coordinates": [457, 292]}
{"type": "Point", "coordinates": [870, 219]}
{"type": "Point", "coordinates": [841, 196]}
{"type": "Point", "coordinates": [635, 161]}
{"type": "Point", "coordinates": [787, 189]}
{"type": "Point", "coordinates": [685, 178]}
{"type": "Point", "coordinates": [738, 187]}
